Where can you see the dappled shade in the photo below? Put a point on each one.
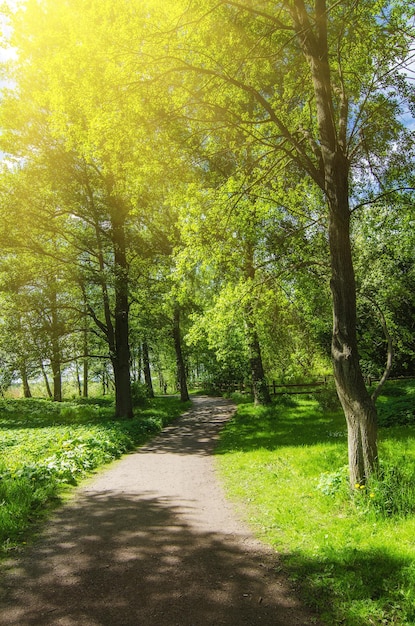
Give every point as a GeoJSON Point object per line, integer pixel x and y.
{"type": "Point", "coordinates": [152, 541]}
{"type": "Point", "coordinates": [133, 559]}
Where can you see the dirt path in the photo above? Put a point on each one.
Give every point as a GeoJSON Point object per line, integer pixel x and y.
{"type": "Point", "coordinates": [152, 542]}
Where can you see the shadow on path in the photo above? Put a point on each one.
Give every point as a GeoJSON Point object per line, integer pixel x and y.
{"type": "Point", "coordinates": [142, 547]}
{"type": "Point", "coordinates": [194, 436]}
{"type": "Point", "coordinates": [134, 560]}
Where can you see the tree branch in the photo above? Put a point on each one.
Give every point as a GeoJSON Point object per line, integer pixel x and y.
{"type": "Point", "coordinates": [301, 156]}
{"type": "Point", "coordinates": [380, 196]}
{"type": "Point", "coordinates": [390, 351]}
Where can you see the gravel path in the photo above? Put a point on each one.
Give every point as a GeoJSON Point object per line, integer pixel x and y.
{"type": "Point", "coordinates": [152, 541]}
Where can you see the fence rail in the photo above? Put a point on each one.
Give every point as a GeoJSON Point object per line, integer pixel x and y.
{"type": "Point", "coordinates": [276, 389]}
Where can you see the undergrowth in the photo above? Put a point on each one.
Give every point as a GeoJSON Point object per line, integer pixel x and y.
{"type": "Point", "coordinates": [46, 447]}
{"type": "Point", "coordinates": [351, 554]}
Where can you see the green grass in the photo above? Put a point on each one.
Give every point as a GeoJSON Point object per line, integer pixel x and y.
{"type": "Point", "coordinates": [352, 556]}
{"type": "Point", "coordinates": [46, 447]}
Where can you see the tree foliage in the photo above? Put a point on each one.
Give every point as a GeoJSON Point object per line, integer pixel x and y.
{"type": "Point", "coordinates": [197, 181]}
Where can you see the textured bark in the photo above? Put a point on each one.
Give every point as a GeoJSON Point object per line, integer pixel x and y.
{"type": "Point", "coordinates": [358, 407]}
{"type": "Point", "coordinates": [121, 358]}
{"type": "Point", "coordinates": [181, 370]}
{"type": "Point", "coordinates": [357, 404]}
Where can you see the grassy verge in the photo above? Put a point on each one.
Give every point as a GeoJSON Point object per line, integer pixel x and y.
{"type": "Point", "coordinates": [351, 555]}
{"type": "Point", "coordinates": [46, 447]}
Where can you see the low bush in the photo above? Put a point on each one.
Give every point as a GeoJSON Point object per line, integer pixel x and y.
{"type": "Point", "coordinates": [327, 399]}
{"type": "Point", "coordinates": [47, 447]}
{"type": "Point", "coordinates": [400, 412]}
{"type": "Point", "coordinates": [139, 394]}
{"type": "Point", "coordinates": [396, 405]}
{"type": "Point", "coordinates": [284, 399]}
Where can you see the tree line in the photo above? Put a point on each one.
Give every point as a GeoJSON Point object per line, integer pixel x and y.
{"type": "Point", "coordinates": [220, 190]}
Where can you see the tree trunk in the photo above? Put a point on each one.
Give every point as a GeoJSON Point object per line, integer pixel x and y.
{"type": "Point", "coordinates": [259, 383]}
{"type": "Point", "coordinates": [85, 363]}
{"type": "Point", "coordinates": [181, 370]}
{"type": "Point", "coordinates": [139, 363]}
{"type": "Point", "coordinates": [115, 328]}
{"type": "Point", "coordinates": [85, 378]}
{"type": "Point", "coordinates": [57, 379]}
{"type": "Point", "coordinates": [78, 378]}
{"type": "Point", "coordinates": [389, 357]}
{"type": "Point", "coordinates": [135, 374]}
{"type": "Point", "coordinates": [147, 370]}
{"type": "Point", "coordinates": [23, 365]}
{"type": "Point", "coordinates": [359, 409]}
{"type": "Point", "coordinates": [122, 384]}
{"type": "Point", "coordinates": [108, 327]}
{"type": "Point", "coordinates": [45, 378]}
{"type": "Point", "coordinates": [25, 381]}
{"type": "Point", "coordinates": [56, 353]}
{"type": "Point", "coordinates": [121, 358]}
{"type": "Point", "coordinates": [332, 174]}
{"type": "Point", "coordinates": [104, 381]}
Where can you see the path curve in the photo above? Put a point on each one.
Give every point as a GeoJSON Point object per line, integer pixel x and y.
{"type": "Point", "coordinates": [151, 541]}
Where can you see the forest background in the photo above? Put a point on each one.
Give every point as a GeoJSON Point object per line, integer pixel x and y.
{"type": "Point", "coordinates": [214, 192]}
{"type": "Point", "coordinates": [208, 194]}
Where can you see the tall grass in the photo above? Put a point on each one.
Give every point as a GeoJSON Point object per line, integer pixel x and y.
{"type": "Point", "coordinates": [46, 447]}
{"type": "Point", "coordinates": [351, 554]}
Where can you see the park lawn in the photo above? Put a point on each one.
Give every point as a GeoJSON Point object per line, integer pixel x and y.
{"type": "Point", "coordinates": [352, 556]}
{"type": "Point", "coordinates": [47, 447]}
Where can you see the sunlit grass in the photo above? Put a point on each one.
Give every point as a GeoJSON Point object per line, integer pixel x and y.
{"type": "Point", "coordinates": [46, 447]}
{"type": "Point", "coordinates": [352, 557]}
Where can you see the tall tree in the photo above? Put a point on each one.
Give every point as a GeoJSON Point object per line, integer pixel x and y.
{"type": "Point", "coordinates": [309, 81]}
{"type": "Point", "coordinates": [78, 91]}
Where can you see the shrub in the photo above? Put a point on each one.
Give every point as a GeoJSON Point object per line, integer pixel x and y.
{"type": "Point", "coordinates": [239, 397]}
{"type": "Point", "coordinates": [48, 445]}
{"type": "Point", "coordinates": [284, 399]}
{"type": "Point", "coordinates": [328, 399]}
{"type": "Point", "coordinates": [139, 393]}
{"type": "Point", "coordinates": [330, 483]}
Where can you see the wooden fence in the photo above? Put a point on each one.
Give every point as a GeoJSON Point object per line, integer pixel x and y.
{"type": "Point", "coordinates": [278, 389]}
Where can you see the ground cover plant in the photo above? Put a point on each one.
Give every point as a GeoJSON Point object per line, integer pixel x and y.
{"type": "Point", "coordinates": [46, 446]}
{"type": "Point", "coordinates": [352, 555]}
